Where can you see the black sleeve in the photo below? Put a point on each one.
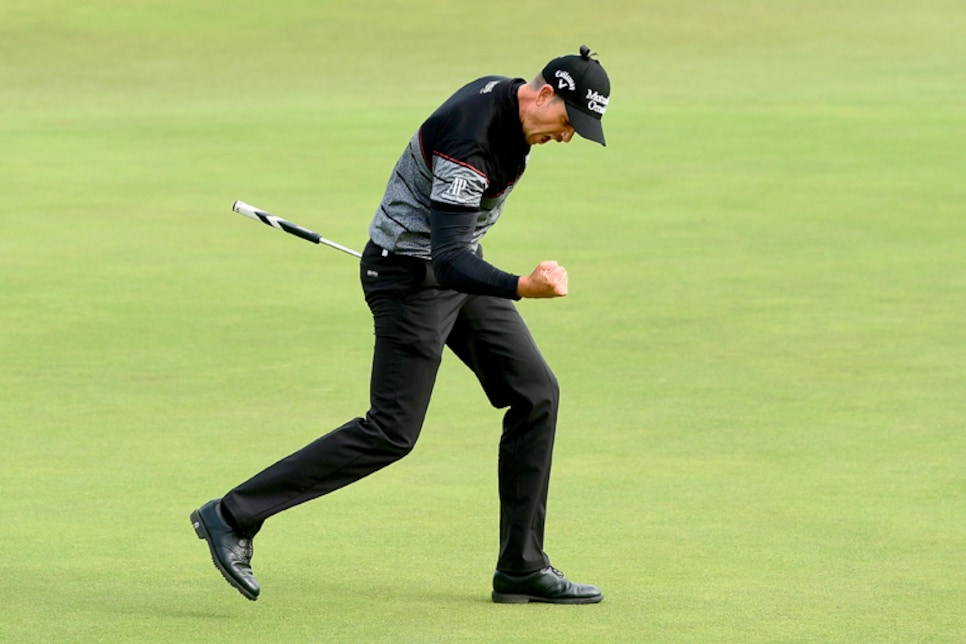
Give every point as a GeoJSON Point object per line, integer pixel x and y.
{"type": "Point", "coordinates": [454, 264]}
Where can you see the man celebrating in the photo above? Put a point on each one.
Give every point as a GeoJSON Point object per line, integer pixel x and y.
{"type": "Point", "coordinates": [428, 287]}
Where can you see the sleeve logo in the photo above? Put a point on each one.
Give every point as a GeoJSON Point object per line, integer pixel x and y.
{"type": "Point", "coordinates": [457, 187]}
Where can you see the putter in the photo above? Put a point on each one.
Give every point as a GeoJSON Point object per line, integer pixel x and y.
{"type": "Point", "coordinates": [248, 210]}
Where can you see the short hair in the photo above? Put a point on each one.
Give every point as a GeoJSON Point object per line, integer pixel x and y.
{"type": "Point", "coordinates": [539, 81]}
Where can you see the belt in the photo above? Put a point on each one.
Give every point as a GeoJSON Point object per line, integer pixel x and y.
{"type": "Point", "coordinates": [385, 252]}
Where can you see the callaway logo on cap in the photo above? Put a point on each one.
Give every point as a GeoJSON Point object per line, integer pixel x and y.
{"type": "Point", "coordinates": [585, 88]}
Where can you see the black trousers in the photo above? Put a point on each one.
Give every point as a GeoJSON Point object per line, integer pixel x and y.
{"type": "Point", "coordinates": [414, 319]}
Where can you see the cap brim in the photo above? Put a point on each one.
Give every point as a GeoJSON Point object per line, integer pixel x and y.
{"type": "Point", "coordinates": [585, 125]}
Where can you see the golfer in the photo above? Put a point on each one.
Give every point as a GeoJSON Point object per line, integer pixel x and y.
{"type": "Point", "coordinates": [428, 286]}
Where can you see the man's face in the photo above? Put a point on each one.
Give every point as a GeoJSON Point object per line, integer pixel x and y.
{"type": "Point", "coordinates": [548, 120]}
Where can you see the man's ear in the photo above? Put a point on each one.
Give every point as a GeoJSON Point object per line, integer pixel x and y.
{"type": "Point", "coordinates": [545, 95]}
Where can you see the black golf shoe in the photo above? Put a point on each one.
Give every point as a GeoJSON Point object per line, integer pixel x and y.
{"type": "Point", "coordinates": [231, 553]}
{"type": "Point", "coordinates": [548, 586]}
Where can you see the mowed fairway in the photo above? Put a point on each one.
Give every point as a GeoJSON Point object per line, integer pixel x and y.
{"type": "Point", "coordinates": [762, 358]}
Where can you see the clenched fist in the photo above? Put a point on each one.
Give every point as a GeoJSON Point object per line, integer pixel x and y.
{"type": "Point", "coordinates": [548, 279]}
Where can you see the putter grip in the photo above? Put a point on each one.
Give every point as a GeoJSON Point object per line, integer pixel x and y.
{"type": "Point", "coordinates": [296, 230]}
{"type": "Point", "coordinates": [268, 219]}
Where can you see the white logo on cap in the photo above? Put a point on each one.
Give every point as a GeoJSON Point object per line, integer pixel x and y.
{"type": "Point", "coordinates": [596, 102]}
{"type": "Point", "coordinates": [566, 80]}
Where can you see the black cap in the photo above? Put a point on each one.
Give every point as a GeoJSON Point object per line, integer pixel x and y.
{"type": "Point", "coordinates": [585, 88]}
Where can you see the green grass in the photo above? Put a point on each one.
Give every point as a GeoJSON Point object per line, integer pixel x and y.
{"type": "Point", "coordinates": [762, 356]}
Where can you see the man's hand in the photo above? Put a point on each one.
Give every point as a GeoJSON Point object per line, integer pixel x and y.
{"type": "Point", "coordinates": [548, 279]}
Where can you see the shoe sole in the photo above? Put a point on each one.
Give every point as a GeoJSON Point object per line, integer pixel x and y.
{"type": "Point", "coordinates": [202, 533]}
{"type": "Point", "coordinates": [506, 598]}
